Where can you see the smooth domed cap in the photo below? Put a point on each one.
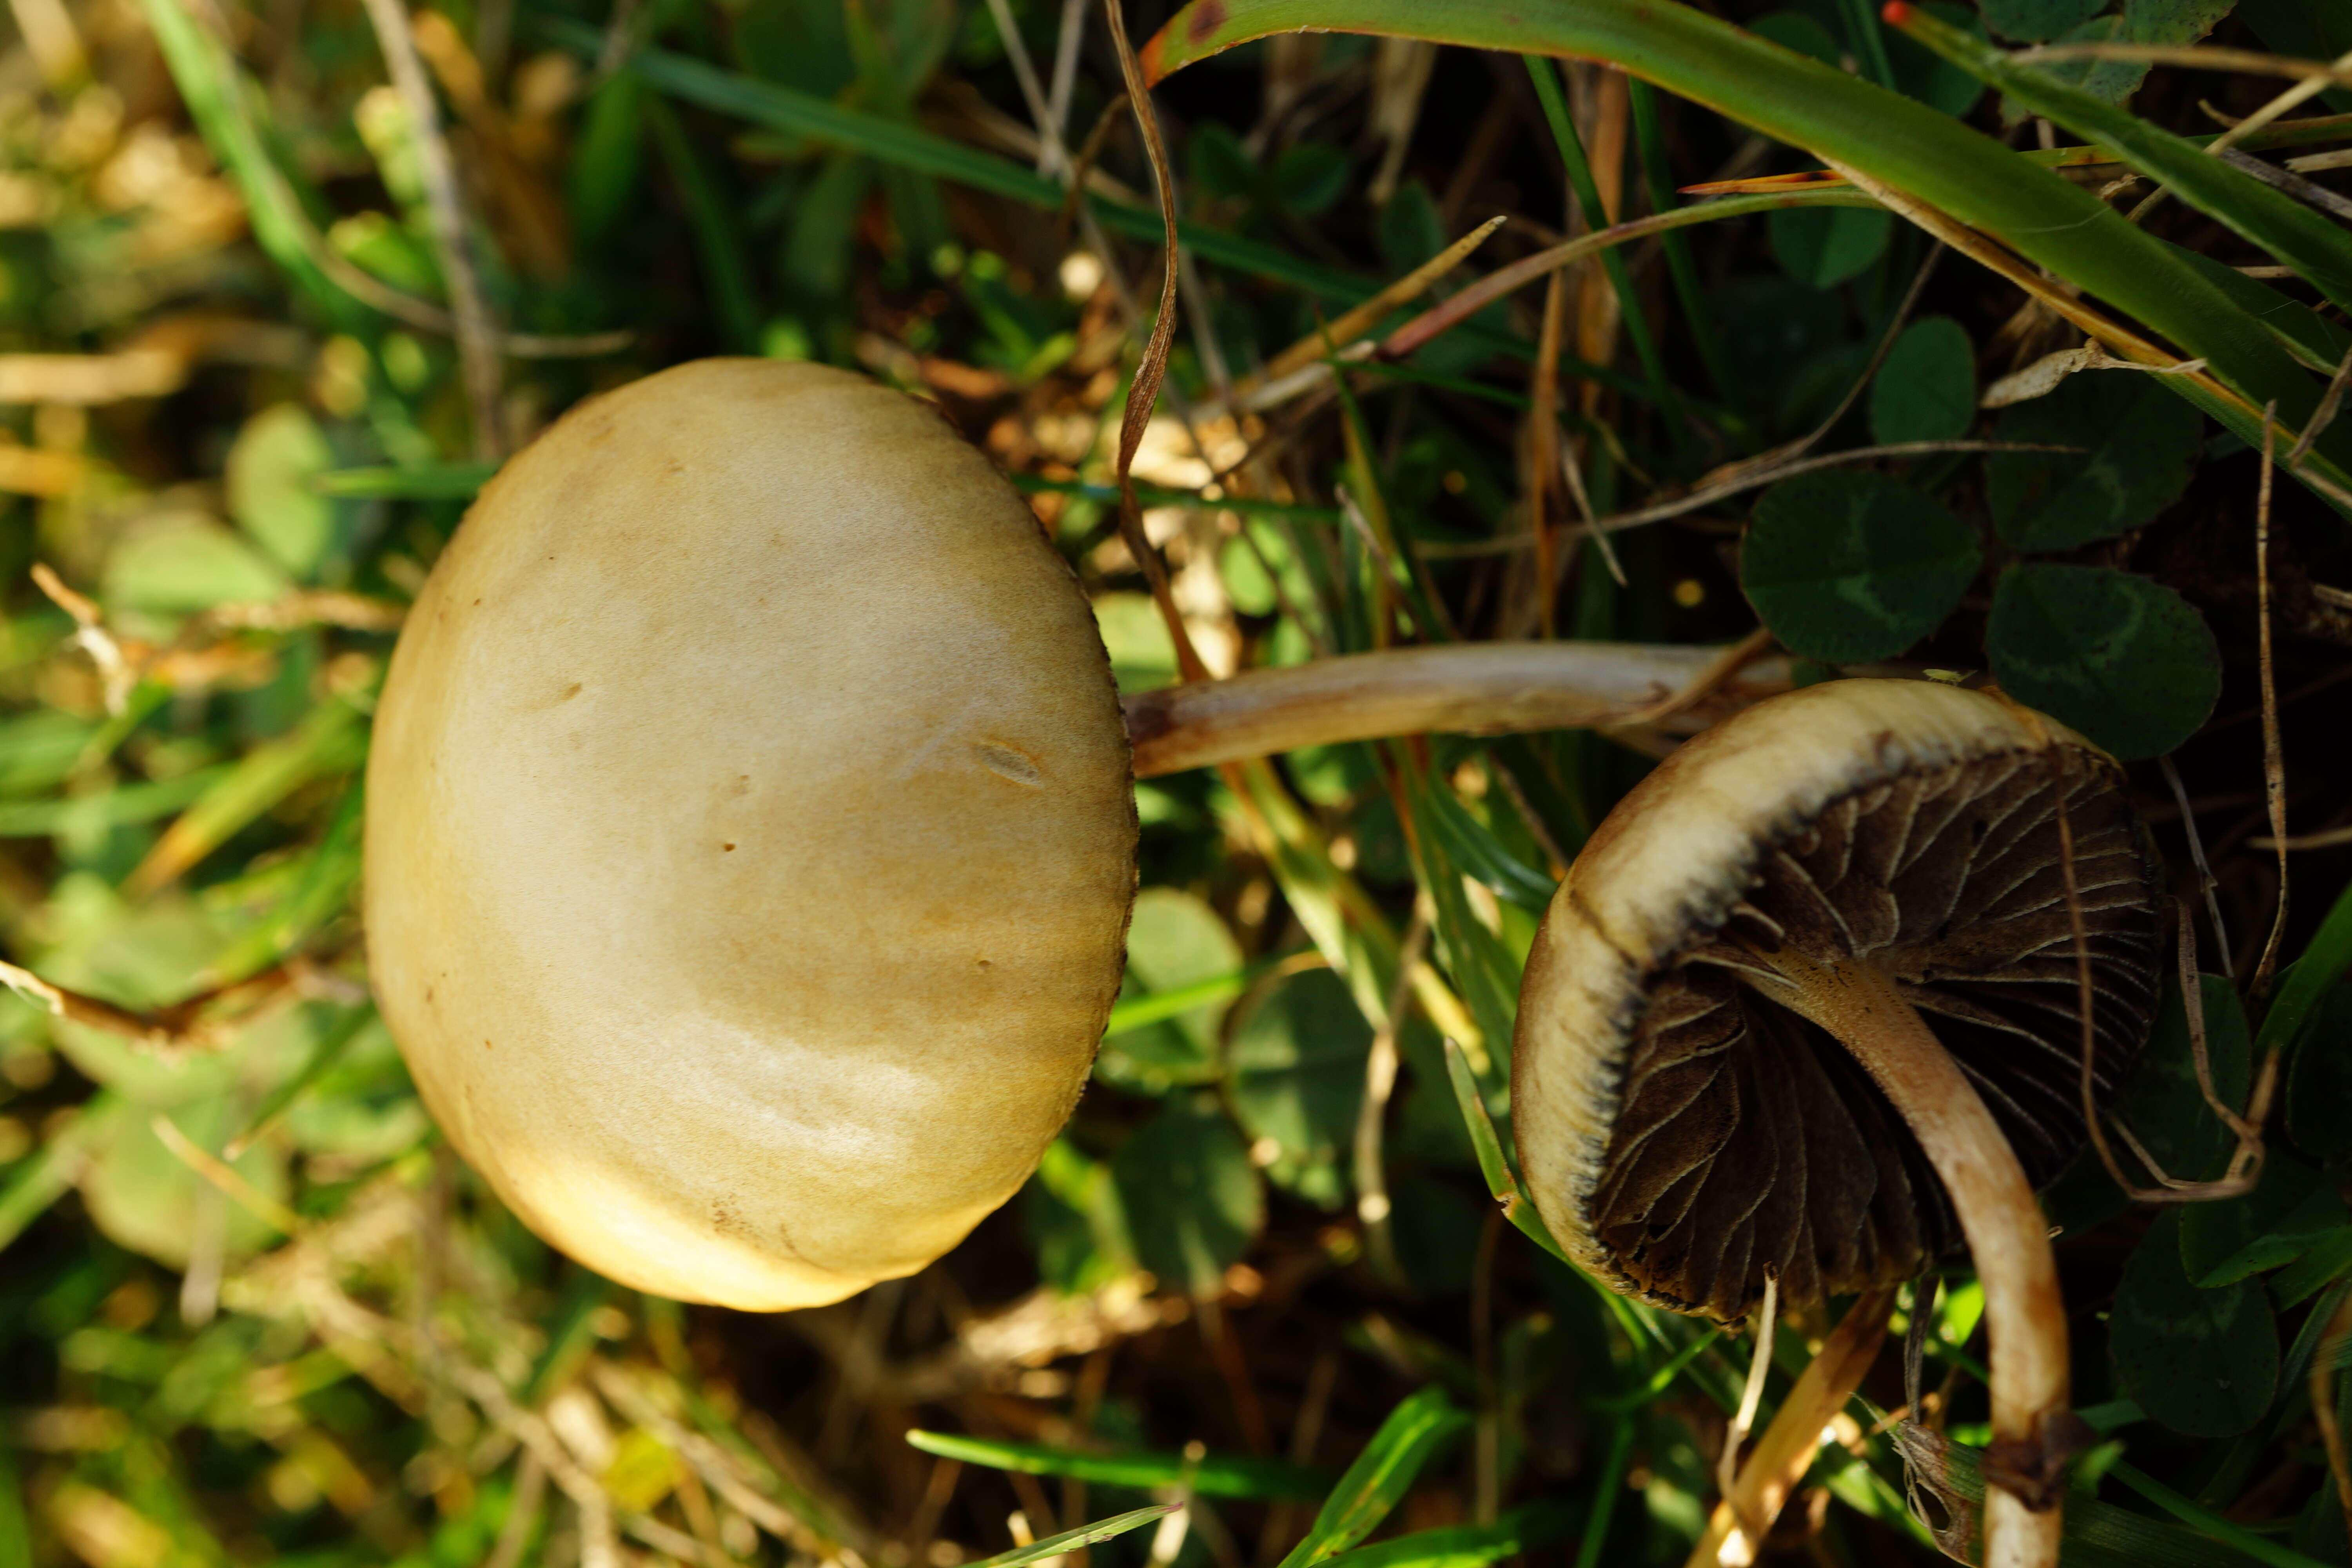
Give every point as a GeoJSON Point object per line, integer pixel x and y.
{"type": "Point", "coordinates": [1679, 1131]}
{"type": "Point", "coordinates": [750, 836]}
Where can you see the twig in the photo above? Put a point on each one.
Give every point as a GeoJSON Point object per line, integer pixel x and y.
{"type": "Point", "coordinates": [1477, 296]}
{"type": "Point", "coordinates": [1380, 1081]}
{"type": "Point", "coordinates": [522, 1512]}
{"type": "Point", "coordinates": [2301, 92]}
{"type": "Point", "coordinates": [2250, 62]}
{"type": "Point", "coordinates": [1758, 478]}
{"type": "Point", "coordinates": [1785, 1452]}
{"type": "Point", "coordinates": [1719, 672]}
{"type": "Point", "coordinates": [1143, 392]}
{"type": "Point", "coordinates": [1726, 1465]}
{"type": "Point", "coordinates": [1066, 71]}
{"type": "Point", "coordinates": [1053, 158]}
{"type": "Point", "coordinates": [226, 1177]}
{"type": "Point", "coordinates": [1344, 329]}
{"type": "Point", "coordinates": [2192, 1002]}
{"type": "Point", "coordinates": [2246, 1164]}
{"type": "Point", "coordinates": [477, 332]}
{"type": "Point", "coordinates": [2207, 882]}
{"type": "Point", "coordinates": [2329, 404]}
{"type": "Point", "coordinates": [2273, 764]}
{"type": "Point", "coordinates": [173, 1027]}
{"type": "Point", "coordinates": [1543, 447]}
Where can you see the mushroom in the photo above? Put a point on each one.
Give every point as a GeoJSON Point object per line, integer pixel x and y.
{"type": "Point", "coordinates": [1726, 1061]}
{"type": "Point", "coordinates": [750, 839]}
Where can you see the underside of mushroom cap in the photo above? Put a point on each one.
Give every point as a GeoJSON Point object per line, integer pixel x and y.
{"type": "Point", "coordinates": [1680, 1131]}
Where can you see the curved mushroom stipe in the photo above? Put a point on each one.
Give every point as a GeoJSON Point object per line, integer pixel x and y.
{"type": "Point", "coordinates": [1807, 1000]}
{"type": "Point", "coordinates": [750, 836]}
{"type": "Point", "coordinates": [1475, 689]}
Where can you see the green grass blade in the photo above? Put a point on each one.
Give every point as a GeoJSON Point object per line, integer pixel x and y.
{"type": "Point", "coordinates": [124, 805]}
{"type": "Point", "coordinates": [323, 892]}
{"type": "Point", "coordinates": [1152, 495]}
{"type": "Point", "coordinates": [1085, 1535]}
{"type": "Point", "coordinates": [2207, 1522]}
{"type": "Point", "coordinates": [43, 1179]}
{"type": "Point", "coordinates": [15, 1533]}
{"type": "Point", "coordinates": [2326, 959]}
{"type": "Point", "coordinates": [1501, 1180]}
{"type": "Point", "coordinates": [1605, 1490]}
{"type": "Point", "coordinates": [1545, 74]}
{"type": "Point", "coordinates": [2297, 234]}
{"type": "Point", "coordinates": [213, 87]}
{"type": "Point", "coordinates": [1650, 134]}
{"type": "Point", "coordinates": [1891, 138]}
{"type": "Point", "coordinates": [1381, 1475]}
{"type": "Point", "coordinates": [718, 238]}
{"type": "Point", "coordinates": [905, 146]}
{"type": "Point", "coordinates": [331, 740]}
{"type": "Point", "coordinates": [1662, 1379]}
{"type": "Point", "coordinates": [1141, 1011]}
{"type": "Point", "coordinates": [1214, 1476]}
{"type": "Point", "coordinates": [439, 482]}
{"type": "Point", "coordinates": [323, 1056]}
{"type": "Point", "coordinates": [1465, 1545]}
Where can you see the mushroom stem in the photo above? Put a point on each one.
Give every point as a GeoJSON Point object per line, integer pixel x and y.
{"type": "Point", "coordinates": [2024, 1312]}
{"type": "Point", "coordinates": [1479, 688]}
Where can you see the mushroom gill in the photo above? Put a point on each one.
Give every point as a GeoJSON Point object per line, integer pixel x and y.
{"type": "Point", "coordinates": [1749, 1136]}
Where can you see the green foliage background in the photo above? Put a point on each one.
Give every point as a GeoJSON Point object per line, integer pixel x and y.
{"type": "Point", "coordinates": [253, 1310]}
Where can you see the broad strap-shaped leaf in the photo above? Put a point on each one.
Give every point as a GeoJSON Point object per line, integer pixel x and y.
{"type": "Point", "coordinates": [2299, 236]}
{"type": "Point", "coordinates": [1891, 138]}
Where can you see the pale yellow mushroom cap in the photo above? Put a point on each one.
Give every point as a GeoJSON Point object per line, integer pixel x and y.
{"type": "Point", "coordinates": [1678, 1129]}
{"type": "Point", "coordinates": [750, 836]}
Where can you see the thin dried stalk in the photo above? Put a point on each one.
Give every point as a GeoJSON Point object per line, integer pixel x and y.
{"type": "Point", "coordinates": [1143, 392]}
{"type": "Point", "coordinates": [1751, 1394]}
{"type": "Point", "coordinates": [1345, 329]}
{"type": "Point", "coordinates": [1720, 671]}
{"type": "Point", "coordinates": [1372, 1204]}
{"type": "Point", "coordinates": [1757, 479]}
{"type": "Point", "coordinates": [477, 352]}
{"type": "Point", "coordinates": [2330, 404]}
{"type": "Point", "coordinates": [2206, 879]}
{"type": "Point", "coordinates": [1786, 1450]}
{"type": "Point", "coordinates": [2251, 62]}
{"type": "Point", "coordinates": [225, 1177]}
{"type": "Point", "coordinates": [1543, 444]}
{"type": "Point", "coordinates": [181, 1026]}
{"type": "Point", "coordinates": [2273, 762]}
{"type": "Point", "coordinates": [2301, 92]}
